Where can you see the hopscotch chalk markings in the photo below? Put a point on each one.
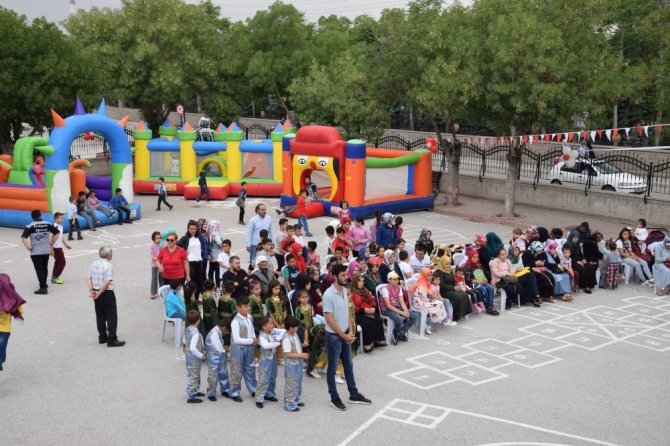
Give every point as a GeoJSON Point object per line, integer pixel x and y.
{"type": "Point", "coordinates": [556, 328]}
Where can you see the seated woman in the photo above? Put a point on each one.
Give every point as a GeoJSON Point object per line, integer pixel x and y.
{"type": "Point", "coordinates": [535, 259]}
{"type": "Point", "coordinates": [475, 278]}
{"type": "Point", "coordinates": [450, 290]}
{"type": "Point", "coordinates": [527, 285]}
{"type": "Point", "coordinates": [561, 276]}
{"type": "Point", "coordinates": [372, 277]}
{"type": "Point", "coordinates": [425, 300]}
{"type": "Point", "coordinates": [662, 267]}
{"type": "Point", "coordinates": [367, 316]}
{"type": "Point", "coordinates": [389, 265]}
{"type": "Point", "coordinates": [502, 276]}
{"type": "Point", "coordinates": [585, 270]}
{"type": "Point", "coordinates": [624, 245]}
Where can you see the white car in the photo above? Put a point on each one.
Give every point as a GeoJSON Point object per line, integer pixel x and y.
{"type": "Point", "coordinates": [604, 175]}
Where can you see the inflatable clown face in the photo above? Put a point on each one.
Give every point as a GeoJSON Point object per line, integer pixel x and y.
{"type": "Point", "coordinates": [303, 165]}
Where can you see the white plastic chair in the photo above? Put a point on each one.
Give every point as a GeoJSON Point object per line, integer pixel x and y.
{"type": "Point", "coordinates": [290, 300]}
{"type": "Point", "coordinates": [359, 331]}
{"type": "Point", "coordinates": [178, 323]}
{"type": "Point", "coordinates": [458, 258]}
{"type": "Point", "coordinates": [423, 313]}
{"type": "Point", "coordinates": [390, 325]}
{"type": "Point", "coordinates": [503, 295]}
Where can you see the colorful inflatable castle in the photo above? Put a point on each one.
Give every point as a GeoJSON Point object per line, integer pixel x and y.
{"type": "Point", "coordinates": [39, 174]}
{"type": "Point", "coordinates": [369, 179]}
{"type": "Point", "coordinates": [227, 161]}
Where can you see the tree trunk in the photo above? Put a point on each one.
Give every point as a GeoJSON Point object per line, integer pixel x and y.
{"type": "Point", "coordinates": [513, 169]}
{"type": "Point", "coordinates": [198, 102]}
{"type": "Point", "coordinates": [657, 134]}
{"type": "Point", "coordinates": [615, 120]}
{"type": "Point", "coordinates": [290, 115]}
{"type": "Point", "coordinates": [452, 152]}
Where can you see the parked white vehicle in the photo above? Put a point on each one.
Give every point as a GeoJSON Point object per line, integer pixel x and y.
{"type": "Point", "coordinates": [604, 175]}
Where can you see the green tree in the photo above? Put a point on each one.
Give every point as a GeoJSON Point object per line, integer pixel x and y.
{"type": "Point", "coordinates": [40, 68]}
{"type": "Point", "coordinates": [277, 46]}
{"type": "Point", "coordinates": [159, 52]}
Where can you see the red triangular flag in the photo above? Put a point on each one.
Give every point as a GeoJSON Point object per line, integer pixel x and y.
{"type": "Point", "coordinates": [600, 133]}
{"type": "Point", "coordinates": [614, 132]}
{"type": "Point", "coordinates": [536, 138]}
{"type": "Point", "coordinates": [525, 139]}
{"type": "Point", "coordinates": [570, 137]}
{"type": "Point", "coordinates": [638, 129]}
{"type": "Point", "coordinates": [559, 136]}
{"type": "Point", "coordinates": [584, 134]}
{"type": "Point", "coordinates": [659, 128]}
{"type": "Point", "coordinates": [547, 137]}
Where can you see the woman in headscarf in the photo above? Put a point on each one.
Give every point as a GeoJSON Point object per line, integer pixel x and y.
{"type": "Point", "coordinates": [424, 299]}
{"type": "Point", "coordinates": [296, 251]}
{"type": "Point", "coordinates": [536, 259]}
{"type": "Point", "coordinates": [11, 306]}
{"type": "Point", "coordinates": [475, 278]}
{"type": "Point", "coordinates": [425, 238]}
{"type": "Point", "coordinates": [214, 250]}
{"type": "Point", "coordinates": [561, 276]}
{"type": "Point", "coordinates": [372, 277]}
{"type": "Point", "coordinates": [662, 267]}
{"type": "Point", "coordinates": [389, 265]}
{"type": "Point", "coordinates": [493, 244]}
{"type": "Point", "coordinates": [532, 235]}
{"type": "Point", "coordinates": [527, 282]}
{"type": "Point", "coordinates": [450, 290]}
{"type": "Point", "coordinates": [586, 270]}
{"type": "Point", "coordinates": [386, 232]}
{"type": "Point", "coordinates": [367, 315]}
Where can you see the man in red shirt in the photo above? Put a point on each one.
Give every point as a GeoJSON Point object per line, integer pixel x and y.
{"type": "Point", "coordinates": [172, 261]}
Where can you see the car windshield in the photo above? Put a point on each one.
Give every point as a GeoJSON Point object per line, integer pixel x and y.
{"type": "Point", "coordinates": [607, 168]}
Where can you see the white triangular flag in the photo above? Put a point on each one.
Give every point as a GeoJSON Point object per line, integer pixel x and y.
{"type": "Point", "coordinates": [542, 137]}
{"type": "Point", "coordinates": [565, 135]}
{"type": "Point", "coordinates": [553, 135]}
{"type": "Point", "coordinates": [608, 133]}
{"type": "Point", "coordinates": [593, 135]}
{"type": "Point", "coordinates": [627, 129]}
{"type": "Point", "coordinates": [646, 130]}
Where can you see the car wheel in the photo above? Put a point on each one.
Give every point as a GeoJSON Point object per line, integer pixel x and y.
{"type": "Point", "coordinates": [609, 188]}
{"type": "Point", "coordinates": [554, 181]}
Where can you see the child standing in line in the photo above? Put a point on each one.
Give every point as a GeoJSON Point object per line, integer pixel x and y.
{"type": "Point", "coordinates": [156, 278]}
{"type": "Point", "coordinates": [613, 260]}
{"type": "Point", "coordinates": [216, 362]}
{"type": "Point", "coordinates": [195, 353]}
{"type": "Point", "coordinates": [242, 346]}
{"type": "Point", "coordinates": [224, 257]}
{"type": "Point", "coordinates": [162, 194]}
{"type": "Point", "coordinates": [304, 314]}
{"type": "Point", "coordinates": [241, 201]}
{"type": "Point", "coordinates": [293, 361]}
{"type": "Point", "coordinates": [57, 250]}
{"type": "Point", "coordinates": [174, 307]}
{"type": "Point", "coordinates": [208, 305]}
{"type": "Point", "coordinates": [72, 218]}
{"type": "Point", "coordinates": [269, 339]}
{"type": "Point", "coordinates": [255, 303]}
{"type": "Point", "coordinates": [641, 234]}
{"type": "Point", "coordinates": [227, 309]}
{"type": "Point", "coordinates": [190, 301]}
{"type": "Point", "coordinates": [330, 236]}
{"type": "Point", "coordinates": [276, 309]}
{"type": "Point", "coordinates": [279, 238]}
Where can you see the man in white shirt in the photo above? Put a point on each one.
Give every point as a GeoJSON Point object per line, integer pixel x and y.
{"type": "Point", "coordinates": [259, 222]}
{"type": "Point", "coordinates": [403, 264]}
{"type": "Point", "coordinates": [419, 260]}
{"type": "Point", "coordinates": [101, 287]}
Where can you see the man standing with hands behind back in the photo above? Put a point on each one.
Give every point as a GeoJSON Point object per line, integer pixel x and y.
{"type": "Point", "coordinates": [101, 288]}
{"type": "Point", "coordinates": [38, 237]}
{"type": "Point", "coordinates": [339, 337]}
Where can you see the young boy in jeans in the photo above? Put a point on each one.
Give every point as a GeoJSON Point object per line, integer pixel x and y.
{"type": "Point", "coordinates": [241, 200]}
{"type": "Point", "coordinates": [72, 218]}
{"type": "Point", "coordinates": [162, 194]}
{"type": "Point", "coordinates": [120, 205]}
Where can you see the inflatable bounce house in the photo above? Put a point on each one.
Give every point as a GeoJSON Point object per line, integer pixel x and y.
{"type": "Point", "coordinates": [227, 161]}
{"type": "Point", "coordinates": [369, 179]}
{"type": "Point", "coordinates": [39, 174]}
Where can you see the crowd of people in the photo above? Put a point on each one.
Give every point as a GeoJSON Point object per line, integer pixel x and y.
{"type": "Point", "coordinates": [288, 306]}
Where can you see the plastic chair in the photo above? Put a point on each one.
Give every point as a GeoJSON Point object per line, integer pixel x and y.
{"type": "Point", "coordinates": [178, 323]}
{"type": "Point", "coordinates": [359, 331]}
{"type": "Point", "coordinates": [458, 258]}
{"type": "Point", "coordinates": [289, 296]}
{"type": "Point", "coordinates": [423, 313]}
{"type": "Point", "coordinates": [390, 325]}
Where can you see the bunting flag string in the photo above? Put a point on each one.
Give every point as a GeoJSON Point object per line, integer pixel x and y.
{"type": "Point", "coordinates": [613, 134]}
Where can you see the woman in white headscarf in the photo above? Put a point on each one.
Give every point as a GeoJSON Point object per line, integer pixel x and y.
{"type": "Point", "coordinates": [386, 232]}
{"type": "Point", "coordinates": [390, 264]}
{"type": "Point", "coordinates": [214, 237]}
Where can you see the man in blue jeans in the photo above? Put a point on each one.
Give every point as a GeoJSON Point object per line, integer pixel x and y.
{"type": "Point", "coordinates": [339, 337]}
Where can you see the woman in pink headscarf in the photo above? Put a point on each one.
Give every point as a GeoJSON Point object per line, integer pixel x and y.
{"type": "Point", "coordinates": [425, 299]}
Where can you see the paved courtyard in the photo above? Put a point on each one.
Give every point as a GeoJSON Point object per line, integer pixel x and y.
{"type": "Point", "coordinates": [589, 372]}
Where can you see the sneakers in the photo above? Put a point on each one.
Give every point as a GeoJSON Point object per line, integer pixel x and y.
{"type": "Point", "coordinates": [57, 280]}
{"type": "Point", "coordinates": [41, 291]}
{"type": "Point", "coordinates": [314, 374]}
{"type": "Point", "coordinates": [566, 297]}
{"type": "Point", "coordinates": [194, 400]}
{"type": "Point", "coordinates": [429, 331]}
{"type": "Point", "coordinates": [338, 404]}
{"type": "Point", "coordinates": [309, 234]}
{"type": "Point", "coordinates": [492, 311]}
{"type": "Point", "coordinates": [279, 211]}
{"type": "Point", "coordinates": [338, 379]}
{"type": "Point", "coordinates": [449, 323]}
{"type": "Point", "coordinates": [359, 399]}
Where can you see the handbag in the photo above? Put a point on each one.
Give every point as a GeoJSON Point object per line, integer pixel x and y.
{"type": "Point", "coordinates": [510, 280]}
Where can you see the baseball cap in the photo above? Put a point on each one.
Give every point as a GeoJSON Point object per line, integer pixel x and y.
{"type": "Point", "coordinates": [392, 275]}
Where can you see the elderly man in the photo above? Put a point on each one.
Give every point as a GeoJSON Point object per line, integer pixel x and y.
{"type": "Point", "coordinates": [259, 222]}
{"type": "Point", "coordinates": [263, 273]}
{"type": "Point", "coordinates": [101, 287]}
